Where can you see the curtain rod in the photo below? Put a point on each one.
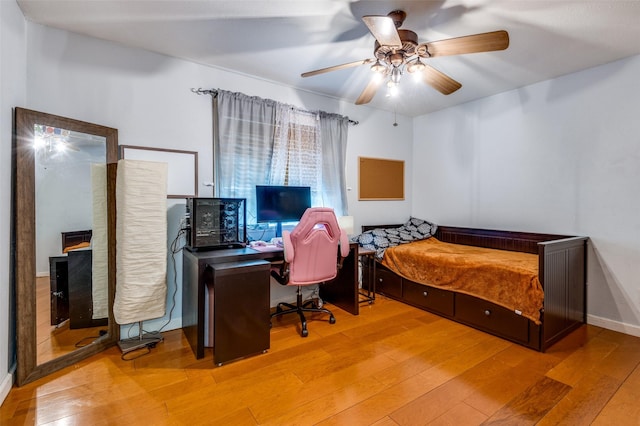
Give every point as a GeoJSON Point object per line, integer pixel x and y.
{"type": "Point", "coordinates": [214, 93]}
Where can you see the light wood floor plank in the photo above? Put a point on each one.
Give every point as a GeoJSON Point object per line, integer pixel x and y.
{"type": "Point", "coordinates": [575, 366]}
{"type": "Point", "coordinates": [582, 403]}
{"type": "Point", "coordinates": [531, 405]}
{"type": "Point", "coordinates": [624, 407]}
{"type": "Point", "coordinates": [460, 415]}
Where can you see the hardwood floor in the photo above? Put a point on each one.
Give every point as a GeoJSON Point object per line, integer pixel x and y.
{"type": "Point", "coordinates": [392, 365]}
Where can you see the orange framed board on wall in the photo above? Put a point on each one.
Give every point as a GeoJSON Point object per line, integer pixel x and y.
{"type": "Point", "coordinates": [380, 179]}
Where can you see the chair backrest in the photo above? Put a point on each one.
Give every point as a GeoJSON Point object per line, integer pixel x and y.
{"type": "Point", "coordinates": [311, 248]}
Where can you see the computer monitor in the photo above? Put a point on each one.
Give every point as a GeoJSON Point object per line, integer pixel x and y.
{"type": "Point", "coordinates": [281, 204]}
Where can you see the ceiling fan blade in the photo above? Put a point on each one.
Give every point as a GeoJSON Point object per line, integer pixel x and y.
{"type": "Point", "coordinates": [439, 81]}
{"type": "Point", "coordinates": [369, 92]}
{"type": "Point", "coordinates": [337, 67]}
{"type": "Point", "coordinates": [384, 30]}
{"type": "Point", "coordinates": [485, 42]}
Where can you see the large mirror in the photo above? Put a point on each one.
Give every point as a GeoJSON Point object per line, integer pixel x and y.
{"type": "Point", "coordinates": [64, 236]}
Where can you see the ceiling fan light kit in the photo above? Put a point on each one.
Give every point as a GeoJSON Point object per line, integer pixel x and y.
{"type": "Point", "coordinates": [416, 66]}
{"type": "Point", "coordinates": [398, 49]}
{"type": "Point", "coordinates": [378, 67]}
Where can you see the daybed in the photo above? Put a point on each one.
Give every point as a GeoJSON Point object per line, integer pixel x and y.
{"type": "Point", "coordinates": [561, 273]}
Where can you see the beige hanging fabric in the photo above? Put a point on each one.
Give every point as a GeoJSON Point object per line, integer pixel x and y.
{"type": "Point", "coordinates": [99, 242]}
{"type": "Point", "coordinates": [141, 241]}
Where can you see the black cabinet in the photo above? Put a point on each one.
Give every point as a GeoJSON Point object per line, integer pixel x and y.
{"type": "Point", "coordinates": [71, 290]}
{"type": "Point", "coordinates": [241, 314]}
{"type": "Point", "coordinates": [80, 291]}
{"type": "Point", "coordinates": [241, 295]}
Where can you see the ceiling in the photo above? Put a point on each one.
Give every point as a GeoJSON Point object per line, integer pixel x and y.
{"type": "Point", "coordinates": [278, 40]}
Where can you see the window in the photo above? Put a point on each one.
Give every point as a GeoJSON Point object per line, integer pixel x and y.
{"type": "Point", "coordinates": [262, 142]}
{"type": "Point", "coordinates": [297, 152]}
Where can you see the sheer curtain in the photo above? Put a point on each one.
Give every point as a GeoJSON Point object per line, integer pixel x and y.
{"type": "Point", "coordinates": [297, 153]}
{"type": "Point", "coordinates": [243, 145]}
{"type": "Point", "coordinates": [333, 133]}
{"type": "Point", "coordinates": [262, 142]}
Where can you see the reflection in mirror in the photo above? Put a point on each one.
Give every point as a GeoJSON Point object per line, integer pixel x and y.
{"type": "Point", "coordinates": [64, 236]}
{"type": "Point", "coordinates": [71, 240]}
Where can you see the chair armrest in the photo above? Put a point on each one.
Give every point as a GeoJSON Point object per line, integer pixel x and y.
{"type": "Point", "coordinates": [344, 244]}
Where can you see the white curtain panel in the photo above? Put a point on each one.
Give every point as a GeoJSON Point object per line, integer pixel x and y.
{"type": "Point", "coordinates": [258, 141]}
{"type": "Point", "coordinates": [99, 244]}
{"type": "Point", "coordinates": [141, 235]}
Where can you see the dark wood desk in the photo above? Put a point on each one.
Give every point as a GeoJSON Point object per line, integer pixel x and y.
{"type": "Point", "coordinates": [199, 270]}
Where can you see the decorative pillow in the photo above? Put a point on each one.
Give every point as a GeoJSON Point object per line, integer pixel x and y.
{"type": "Point", "coordinates": [380, 239]}
{"type": "Point", "coordinates": [421, 226]}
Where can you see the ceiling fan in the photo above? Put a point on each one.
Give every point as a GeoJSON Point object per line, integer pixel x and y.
{"type": "Point", "coordinates": [397, 50]}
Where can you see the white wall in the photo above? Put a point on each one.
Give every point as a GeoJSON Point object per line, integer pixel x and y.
{"type": "Point", "coordinates": [561, 156]}
{"type": "Point", "coordinates": [12, 93]}
{"type": "Point", "coordinates": [147, 97]}
{"type": "Point", "coordinates": [377, 137]}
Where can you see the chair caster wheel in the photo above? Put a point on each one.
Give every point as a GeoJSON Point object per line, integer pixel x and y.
{"type": "Point", "coordinates": [332, 319]}
{"type": "Point", "coordinates": [304, 333]}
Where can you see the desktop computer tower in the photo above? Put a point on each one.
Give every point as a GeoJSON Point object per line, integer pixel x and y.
{"type": "Point", "coordinates": [214, 223]}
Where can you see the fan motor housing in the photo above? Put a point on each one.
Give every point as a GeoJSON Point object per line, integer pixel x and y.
{"type": "Point", "coordinates": [409, 41]}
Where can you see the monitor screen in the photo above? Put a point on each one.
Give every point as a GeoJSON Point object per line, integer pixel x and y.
{"type": "Point", "coordinates": [281, 203]}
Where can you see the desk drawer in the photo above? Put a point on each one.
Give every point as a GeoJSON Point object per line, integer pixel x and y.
{"type": "Point", "coordinates": [388, 283]}
{"type": "Point", "coordinates": [491, 317]}
{"type": "Point", "coordinates": [430, 298]}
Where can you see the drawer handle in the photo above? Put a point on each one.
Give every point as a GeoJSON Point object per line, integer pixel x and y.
{"type": "Point", "coordinates": [425, 293]}
{"type": "Point", "coordinates": [487, 312]}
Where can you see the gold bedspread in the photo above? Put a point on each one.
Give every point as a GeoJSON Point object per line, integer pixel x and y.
{"type": "Point", "coordinates": [506, 278]}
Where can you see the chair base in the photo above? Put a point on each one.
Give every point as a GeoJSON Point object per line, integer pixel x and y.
{"type": "Point", "coordinates": [300, 308]}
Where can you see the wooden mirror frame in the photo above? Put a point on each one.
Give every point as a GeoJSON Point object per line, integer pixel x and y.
{"type": "Point", "coordinates": [24, 241]}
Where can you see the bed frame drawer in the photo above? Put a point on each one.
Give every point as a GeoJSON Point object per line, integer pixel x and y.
{"type": "Point", "coordinates": [430, 298]}
{"type": "Point", "coordinates": [388, 283]}
{"type": "Point", "coordinates": [491, 317]}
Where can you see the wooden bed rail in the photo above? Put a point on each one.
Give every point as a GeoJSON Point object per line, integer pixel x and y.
{"type": "Point", "coordinates": [526, 242]}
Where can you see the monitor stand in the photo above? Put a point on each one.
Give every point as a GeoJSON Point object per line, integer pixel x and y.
{"type": "Point", "coordinates": [278, 229]}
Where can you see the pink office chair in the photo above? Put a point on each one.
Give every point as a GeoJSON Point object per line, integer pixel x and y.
{"type": "Point", "coordinates": [313, 253]}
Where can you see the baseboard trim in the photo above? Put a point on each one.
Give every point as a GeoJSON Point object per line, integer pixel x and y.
{"type": "Point", "coordinates": [609, 324]}
{"type": "Point", "coordinates": [5, 387]}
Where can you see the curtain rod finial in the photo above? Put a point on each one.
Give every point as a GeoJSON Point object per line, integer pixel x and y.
{"type": "Point", "coordinates": [201, 91]}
